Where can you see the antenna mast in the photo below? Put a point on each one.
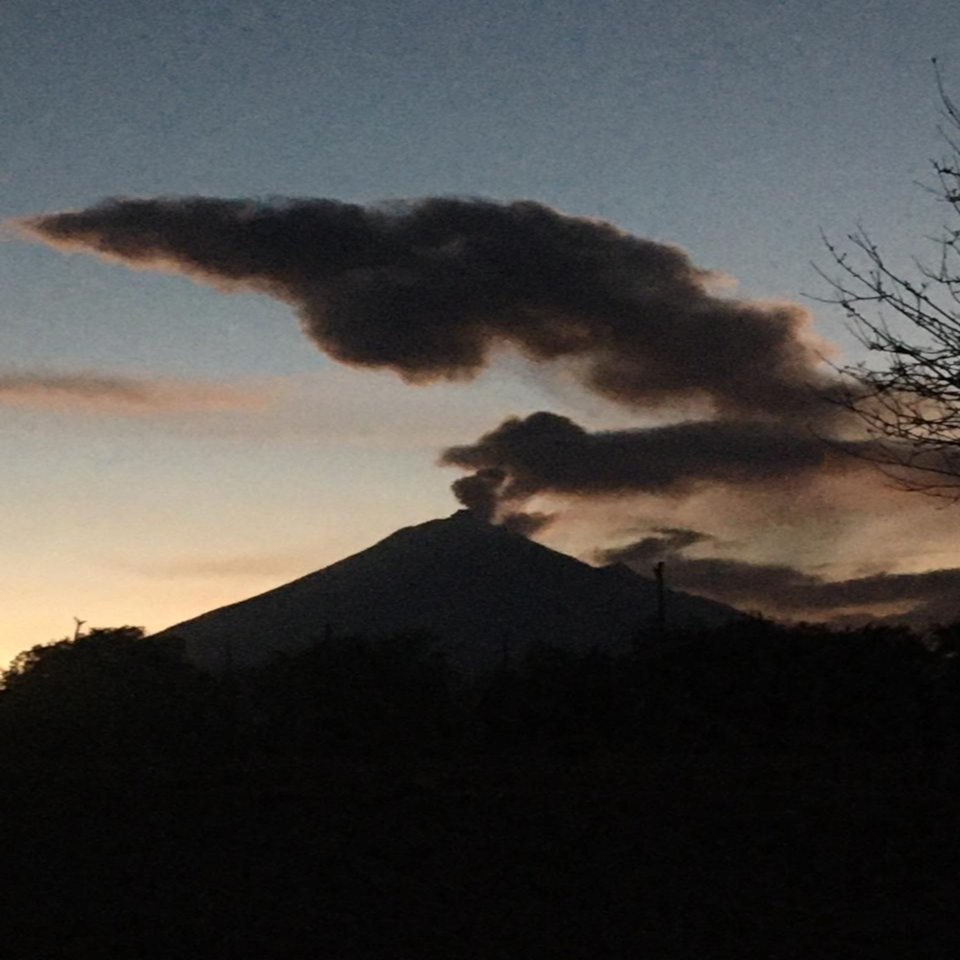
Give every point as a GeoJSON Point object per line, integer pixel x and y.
{"type": "Point", "coordinates": [661, 597]}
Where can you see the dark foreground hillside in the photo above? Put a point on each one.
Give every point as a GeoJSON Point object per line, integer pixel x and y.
{"type": "Point", "coordinates": [751, 793]}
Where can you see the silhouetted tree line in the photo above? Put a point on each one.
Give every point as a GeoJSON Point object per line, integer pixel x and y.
{"type": "Point", "coordinates": [771, 791]}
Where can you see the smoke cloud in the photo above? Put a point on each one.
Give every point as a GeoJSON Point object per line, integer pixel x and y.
{"type": "Point", "coordinates": [527, 524]}
{"type": "Point", "coordinates": [483, 494]}
{"type": "Point", "coordinates": [547, 453]}
{"type": "Point", "coordinates": [926, 596]}
{"type": "Point", "coordinates": [429, 289]}
{"type": "Point", "coordinates": [480, 492]}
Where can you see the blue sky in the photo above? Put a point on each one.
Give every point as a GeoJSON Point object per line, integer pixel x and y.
{"type": "Point", "coordinates": [737, 130]}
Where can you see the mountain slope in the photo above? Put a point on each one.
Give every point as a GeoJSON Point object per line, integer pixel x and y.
{"type": "Point", "coordinates": [484, 591]}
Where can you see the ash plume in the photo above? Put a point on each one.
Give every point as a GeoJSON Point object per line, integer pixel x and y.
{"type": "Point", "coordinates": [482, 494]}
{"type": "Point", "coordinates": [479, 492]}
{"type": "Point", "coordinates": [548, 453]}
{"type": "Point", "coordinates": [662, 543]}
{"type": "Point", "coordinates": [527, 524]}
{"type": "Point", "coordinates": [429, 288]}
{"type": "Point", "coordinates": [926, 596]}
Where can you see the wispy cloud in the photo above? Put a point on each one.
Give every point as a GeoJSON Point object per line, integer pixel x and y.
{"type": "Point", "coordinates": [87, 393]}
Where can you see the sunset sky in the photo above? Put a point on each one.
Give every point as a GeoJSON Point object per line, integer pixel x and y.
{"type": "Point", "coordinates": [169, 448]}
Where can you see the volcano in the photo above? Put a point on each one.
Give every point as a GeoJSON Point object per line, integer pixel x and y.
{"type": "Point", "coordinates": [485, 593]}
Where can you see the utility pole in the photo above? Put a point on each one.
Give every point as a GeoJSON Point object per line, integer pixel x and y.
{"type": "Point", "coordinates": [661, 598]}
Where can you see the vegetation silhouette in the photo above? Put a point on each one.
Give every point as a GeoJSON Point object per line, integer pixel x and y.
{"type": "Point", "coordinates": [909, 403]}
{"type": "Point", "coordinates": [757, 790]}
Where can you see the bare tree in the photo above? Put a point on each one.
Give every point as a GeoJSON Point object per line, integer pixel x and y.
{"type": "Point", "coordinates": [910, 402]}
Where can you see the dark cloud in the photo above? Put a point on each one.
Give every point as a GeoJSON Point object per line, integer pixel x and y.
{"type": "Point", "coordinates": [527, 524]}
{"type": "Point", "coordinates": [428, 288]}
{"type": "Point", "coordinates": [735, 581]}
{"type": "Point", "coordinates": [783, 590]}
{"type": "Point", "coordinates": [661, 543]}
{"type": "Point", "coordinates": [547, 453]}
{"type": "Point", "coordinates": [926, 587]}
{"type": "Point", "coordinates": [480, 492]}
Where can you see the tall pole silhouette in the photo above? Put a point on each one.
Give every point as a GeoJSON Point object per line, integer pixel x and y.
{"type": "Point", "coordinates": [661, 597]}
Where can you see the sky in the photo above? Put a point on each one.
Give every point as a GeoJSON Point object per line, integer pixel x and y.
{"type": "Point", "coordinates": [169, 447]}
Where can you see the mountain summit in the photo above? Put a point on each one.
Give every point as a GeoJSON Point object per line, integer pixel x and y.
{"type": "Point", "coordinates": [483, 591]}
